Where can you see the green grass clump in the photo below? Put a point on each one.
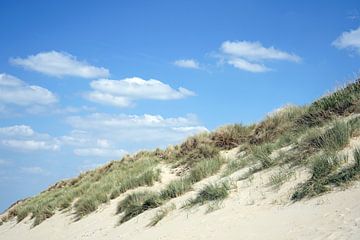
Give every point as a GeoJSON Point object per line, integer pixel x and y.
{"type": "Point", "coordinates": [176, 188]}
{"type": "Point", "coordinates": [322, 167]}
{"type": "Point", "coordinates": [324, 176]}
{"type": "Point", "coordinates": [90, 203]}
{"type": "Point", "coordinates": [137, 203]}
{"type": "Point", "coordinates": [147, 178]}
{"type": "Point", "coordinates": [210, 193]}
{"type": "Point", "coordinates": [205, 168]}
{"type": "Point", "coordinates": [347, 174]}
{"type": "Point", "coordinates": [262, 154]}
{"type": "Point", "coordinates": [337, 137]}
{"type": "Point", "coordinates": [331, 140]}
{"type": "Point", "coordinates": [163, 212]}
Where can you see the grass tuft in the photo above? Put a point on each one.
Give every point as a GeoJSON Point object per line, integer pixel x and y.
{"type": "Point", "coordinates": [205, 168]}
{"type": "Point", "coordinates": [160, 214]}
{"type": "Point", "coordinates": [211, 193]}
{"type": "Point", "coordinates": [137, 203]}
{"type": "Point", "coordinates": [322, 167]}
{"type": "Point", "coordinates": [176, 188]}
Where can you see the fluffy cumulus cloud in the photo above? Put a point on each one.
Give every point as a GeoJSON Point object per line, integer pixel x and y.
{"type": "Point", "coordinates": [127, 131]}
{"type": "Point", "coordinates": [250, 56]}
{"type": "Point", "coordinates": [24, 138]}
{"type": "Point", "coordinates": [349, 40]}
{"type": "Point", "coordinates": [123, 93]}
{"type": "Point", "coordinates": [14, 91]}
{"type": "Point", "coordinates": [187, 63]}
{"type": "Point", "coordinates": [60, 64]}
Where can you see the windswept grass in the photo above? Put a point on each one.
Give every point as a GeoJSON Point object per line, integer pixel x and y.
{"type": "Point", "coordinates": [339, 103]}
{"type": "Point", "coordinates": [210, 193]}
{"type": "Point", "coordinates": [322, 167]}
{"type": "Point", "coordinates": [204, 169]}
{"type": "Point", "coordinates": [336, 137]}
{"type": "Point", "coordinates": [147, 178]}
{"type": "Point", "coordinates": [176, 188]}
{"type": "Point", "coordinates": [346, 174]}
{"type": "Point", "coordinates": [137, 203]}
{"type": "Point", "coordinates": [324, 176]}
{"type": "Point", "coordinates": [161, 213]}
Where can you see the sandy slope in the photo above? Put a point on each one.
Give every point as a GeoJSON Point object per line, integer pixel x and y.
{"type": "Point", "coordinates": [253, 211]}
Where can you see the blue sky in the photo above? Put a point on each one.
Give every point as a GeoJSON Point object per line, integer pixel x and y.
{"type": "Point", "coordinates": [84, 82]}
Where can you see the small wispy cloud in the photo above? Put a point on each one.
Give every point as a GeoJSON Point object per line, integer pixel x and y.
{"type": "Point", "coordinates": [187, 63]}
{"type": "Point", "coordinates": [14, 91]}
{"type": "Point", "coordinates": [123, 93]}
{"type": "Point", "coordinates": [349, 40]}
{"type": "Point", "coordinates": [60, 64]}
{"type": "Point", "coordinates": [248, 66]}
{"type": "Point", "coordinates": [250, 56]}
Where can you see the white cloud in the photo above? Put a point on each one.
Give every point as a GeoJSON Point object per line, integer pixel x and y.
{"type": "Point", "coordinates": [34, 170]}
{"type": "Point", "coordinates": [30, 145]}
{"type": "Point", "coordinates": [255, 51]}
{"type": "Point", "coordinates": [350, 40]}
{"type": "Point", "coordinates": [100, 152]}
{"type": "Point", "coordinates": [123, 93]}
{"type": "Point", "coordinates": [248, 66]}
{"type": "Point", "coordinates": [249, 56]}
{"type": "Point", "coordinates": [17, 130]}
{"type": "Point", "coordinates": [108, 99]}
{"type": "Point", "coordinates": [132, 132]}
{"type": "Point", "coordinates": [15, 91]}
{"type": "Point", "coordinates": [187, 63]}
{"type": "Point", "coordinates": [24, 138]}
{"type": "Point", "coordinates": [60, 64]}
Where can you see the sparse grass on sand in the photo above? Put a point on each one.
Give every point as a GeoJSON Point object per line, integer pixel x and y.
{"type": "Point", "coordinates": [139, 202]}
{"type": "Point", "coordinates": [215, 192]}
{"type": "Point", "coordinates": [161, 213]}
